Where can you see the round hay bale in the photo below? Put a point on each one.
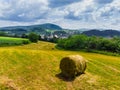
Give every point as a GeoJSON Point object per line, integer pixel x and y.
{"type": "Point", "coordinates": [72, 66]}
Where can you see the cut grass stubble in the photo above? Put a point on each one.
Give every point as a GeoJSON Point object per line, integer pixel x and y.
{"type": "Point", "coordinates": [35, 66]}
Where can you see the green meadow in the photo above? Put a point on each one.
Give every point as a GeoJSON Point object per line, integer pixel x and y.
{"type": "Point", "coordinates": [9, 41]}
{"type": "Point", "coordinates": [36, 66]}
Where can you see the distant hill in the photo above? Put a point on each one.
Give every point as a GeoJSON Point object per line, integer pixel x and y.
{"type": "Point", "coordinates": [40, 29]}
{"type": "Point", "coordinates": [44, 26]}
{"type": "Point", "coordinates": [50, 26]}
{"type": "Point", "coordinates": [104, 33]}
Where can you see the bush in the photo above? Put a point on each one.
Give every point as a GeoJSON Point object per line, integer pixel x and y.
{"type": "Point", "coordinates": [72, 66]}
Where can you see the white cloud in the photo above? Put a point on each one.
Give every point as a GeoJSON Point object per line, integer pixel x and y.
{"type": "Point", "coordinates": [23, 10]}
{"type": "Point", "coordinates": [68, 13]}
{"type": "Point", "coordinates": [109, 14]}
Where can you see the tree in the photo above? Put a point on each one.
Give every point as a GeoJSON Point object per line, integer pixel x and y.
{"type": "Point", "coordinates": [33, 37]}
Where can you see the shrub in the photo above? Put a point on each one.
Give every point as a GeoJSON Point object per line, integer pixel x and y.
{"type": "Point", "coordinates": [72, 66]}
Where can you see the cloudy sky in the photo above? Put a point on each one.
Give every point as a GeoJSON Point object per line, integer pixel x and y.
{"type": "Point", "coordinates": [71, 14]}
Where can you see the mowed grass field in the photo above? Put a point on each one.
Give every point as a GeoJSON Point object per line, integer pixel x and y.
{"type": "Point", "coordinates": [35, 67]}
{"type": "Point", "coordinates": [9, 41]}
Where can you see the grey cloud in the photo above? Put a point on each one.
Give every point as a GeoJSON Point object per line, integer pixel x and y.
{"type": "Point", "coordinates": [72, 16]}
{"type": "Point", "coordinates": [83, 17]}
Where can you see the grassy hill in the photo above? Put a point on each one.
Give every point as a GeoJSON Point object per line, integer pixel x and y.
{"type": "Point", "coordinates": [35, 67]}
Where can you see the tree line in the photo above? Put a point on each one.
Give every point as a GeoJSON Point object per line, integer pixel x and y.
{"type": "Point", "coordinates": [83, 42]}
